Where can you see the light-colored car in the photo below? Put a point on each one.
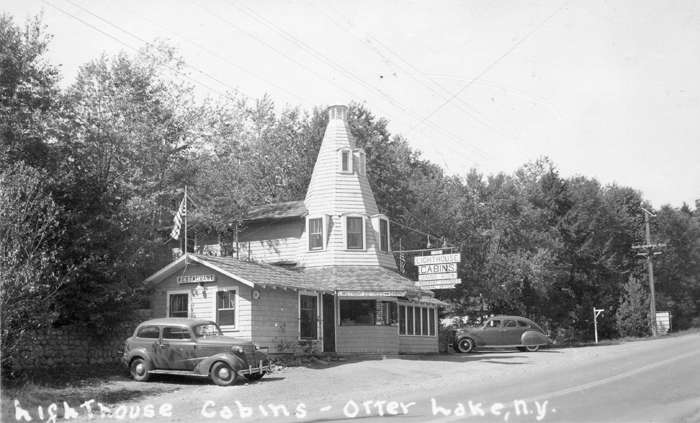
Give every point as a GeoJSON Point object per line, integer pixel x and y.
{"type": "Point", "coordinates": [192, 347]}
{"type": "Point", "coordinates": [502, 332]}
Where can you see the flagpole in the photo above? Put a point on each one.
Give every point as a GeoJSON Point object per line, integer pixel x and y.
{"type": "Point", "coordinates": [185, 200]}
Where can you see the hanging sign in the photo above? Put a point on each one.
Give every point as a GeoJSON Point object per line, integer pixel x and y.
{"type": "Point", "coordinates": [195, 279]}
{"type": "Point", "coordinates": [437, 268]}
{"type": "Point", "coordinates": [437, 259]}
{"type": "Point", "coordinates": [437, 276]}
{"type": "Point", "coordinates": [427, 284]}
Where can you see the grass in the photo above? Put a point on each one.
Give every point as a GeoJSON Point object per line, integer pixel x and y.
{"type": "Point", "coordinates": [75, 385]}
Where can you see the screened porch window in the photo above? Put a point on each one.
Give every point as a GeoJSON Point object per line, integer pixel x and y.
{"type": "Point", "coordinates": [178, 305]}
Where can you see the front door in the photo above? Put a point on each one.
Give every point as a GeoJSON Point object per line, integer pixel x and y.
{"type": "Point", "coordinates": [177, 349]}
{"type": "Point", "coordinates": [328, 323]}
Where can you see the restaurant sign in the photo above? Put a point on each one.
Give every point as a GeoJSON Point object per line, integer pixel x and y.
{"type": "Point", "coordinates": [195, 279]}
{"type": "Point", "coordinates": [371, 293]}
{"type": "Point", "coordinates": [438, 284]}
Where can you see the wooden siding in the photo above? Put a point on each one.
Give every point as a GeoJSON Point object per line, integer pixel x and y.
{"type": "Point", "coordinates": [418, 344]}
{"type": "Point", "coordinates": [202, 306]}
{"type": "Point", "coordinates": [367, 339]}
{"type": "Point", "coordinates": [271, 242]}
{"type": "Point", "coordinates": [276, 318]}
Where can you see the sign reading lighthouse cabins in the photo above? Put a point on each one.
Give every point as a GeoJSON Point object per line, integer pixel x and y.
{"type": "Point", "coordinates": [437, 271]}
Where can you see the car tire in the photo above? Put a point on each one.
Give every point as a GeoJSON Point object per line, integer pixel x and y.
{"type": "Point", "coordinates": [222, 374]}
{"type": "Point", "coordinates": [139, 369]}
{"type": "Point", "coordinates": [532, 348]}
{"type": "Point", "coordinates": [464, 345]}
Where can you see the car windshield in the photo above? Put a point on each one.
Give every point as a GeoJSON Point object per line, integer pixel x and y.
{"type": "Point", "coordinates": [208, 329]}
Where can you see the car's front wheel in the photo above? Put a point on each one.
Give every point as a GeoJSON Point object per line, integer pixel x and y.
{"type": "Point", "coordinates": [532, 348]}
{"type": "Point", "coordinates": [464, 345]}
{"type": "Point", "coordinates": [139, 369]}
{"type": "Point", "coordinates": [223, 375]}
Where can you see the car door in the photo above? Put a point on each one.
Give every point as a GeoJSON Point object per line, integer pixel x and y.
{"type": "Point", "coordinates": [491, 333]}
{"type": "Point", "coordinates": [177, 350]}
{"type": "Point", "coordinates": [511, 332]}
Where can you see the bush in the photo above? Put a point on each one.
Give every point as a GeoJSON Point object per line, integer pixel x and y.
{"type": "Point", "coordinates": [632, 318]}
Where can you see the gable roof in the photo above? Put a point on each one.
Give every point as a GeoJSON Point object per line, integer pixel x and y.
{"type": "Point", "coordinates": [277, 211]}
{"type": "Point", "coordinates": [247, 272]}
{"type": "Point", "coordinates": [322, 279]}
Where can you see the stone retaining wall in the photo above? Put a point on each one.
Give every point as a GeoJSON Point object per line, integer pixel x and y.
{"type": "Point", "coordinates": [75, 345]}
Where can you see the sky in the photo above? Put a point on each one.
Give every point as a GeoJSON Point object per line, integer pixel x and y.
{"type": "Point", "coordinates": [605, 89]}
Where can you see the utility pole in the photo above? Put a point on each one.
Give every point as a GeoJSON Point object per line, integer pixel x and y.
{"type": "Point", "coordinates": [649, 253]}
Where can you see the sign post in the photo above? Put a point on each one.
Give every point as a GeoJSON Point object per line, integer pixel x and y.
{"type": "Point", "coordinates": [596, 313]}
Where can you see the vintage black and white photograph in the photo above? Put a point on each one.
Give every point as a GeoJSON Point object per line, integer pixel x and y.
{"type": "Point", "coordinates": [335, 211]}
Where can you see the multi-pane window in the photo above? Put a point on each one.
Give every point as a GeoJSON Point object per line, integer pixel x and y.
{"type": "Point", "coordinates": [178, 305]}
{"type": "Point", "coordinates": [383, 235]}
{"type": "Point", "coordinates": [368, 312]}
{"type": "Point", "coordinates": [355, 236]}
{"type": "Point", "coordinates": [316, 234]}
{"type": "Point", "coordinates": [308, 317]}
{"type": "Point", "coordinates": [226, 308]}
{"type": "Point", "coordinates": [416, 320]}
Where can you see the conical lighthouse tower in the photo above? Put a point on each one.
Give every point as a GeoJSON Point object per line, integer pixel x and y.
{"type": "Point", "coordinates": [343, 225]}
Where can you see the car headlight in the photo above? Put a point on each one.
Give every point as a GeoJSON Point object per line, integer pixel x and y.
{"type": "Point", "coordinates": [237, 350]}
{"type": "Point", "coordinates": [256, 346]}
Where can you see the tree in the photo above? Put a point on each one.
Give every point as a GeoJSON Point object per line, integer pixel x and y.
{"type": "Point", "coordinates": [632, 317]}
{"type": "Point", "coordinates": [28, 94]}
{"type": "Point", "coordinates": [29, 276]}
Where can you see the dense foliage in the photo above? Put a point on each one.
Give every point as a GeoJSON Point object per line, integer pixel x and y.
{"type": "Point", "coordinates": [90, 177]}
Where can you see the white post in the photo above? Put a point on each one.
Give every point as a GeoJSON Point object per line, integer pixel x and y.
{"type": "Point", "coordinates": [596, 313]}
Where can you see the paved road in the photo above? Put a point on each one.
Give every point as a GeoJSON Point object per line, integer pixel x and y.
{"type": "Point", "coordinates": [654, 381]}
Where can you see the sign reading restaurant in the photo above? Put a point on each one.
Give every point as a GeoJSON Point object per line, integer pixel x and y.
{"type": "Point", "coordinates": [195, 279]}
{"type": "Point", "coordinates": [437, 271]}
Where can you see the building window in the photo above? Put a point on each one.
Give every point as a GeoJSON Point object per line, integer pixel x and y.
{"type": "Point", "coordinates": [355, 233]}
{"type": "Point", "coordinates": [346, 161]}
{"type": "Point", "coordinates": [226, 308]}
{"type": "Point", "coordinates": [362, 165]}
{"type": "Point", "coordinates": [383, 235]}
{"type": "Point", "coordinates": [308, 317]}
{"type": "Point", "coordinates": [179, 305]}
{"type": "Point", "coordinates": [316, 234]}
{"type": "Point", "coordinates": [419, 321]}
{"type": "Point", "coordinates": [358, 312]}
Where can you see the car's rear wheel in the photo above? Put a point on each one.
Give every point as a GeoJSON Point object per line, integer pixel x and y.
{"type": "Point", "coordinates": [464, 345]}
{"type": "Point", "coordinates": [139, 369]}
{"type": "Point", "coordinates": [532, 348]}
{"type": "Point", "coordinates": [223, 375]}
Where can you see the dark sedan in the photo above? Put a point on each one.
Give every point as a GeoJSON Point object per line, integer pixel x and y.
{"type": "Point", "coordinates": [192, 347]}
{"type": "Point", "coordinates": [502, 332]}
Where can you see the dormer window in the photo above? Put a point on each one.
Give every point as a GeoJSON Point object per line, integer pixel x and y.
{"type": "Point", "coordinates": [346, 161]}
{"type": "Point", "coordinates": [383, 235]}
{"type": "Point", "coordinates": [362, 162]}
{"type": "Point", "coordinates": [382, 232]}
{"type": "Point", "coordinates": [316, 233]}
{"type": "Point", "coordinates": [355, 233]}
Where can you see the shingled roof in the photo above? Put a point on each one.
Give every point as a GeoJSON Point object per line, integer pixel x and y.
{"type": "Point", "coordinates": [277, 211]}
{"type": "Point", "coordinates": [361, 278]}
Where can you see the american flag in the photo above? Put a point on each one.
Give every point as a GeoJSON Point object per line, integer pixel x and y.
{"type": "Point", "coordinates": [177, 220]}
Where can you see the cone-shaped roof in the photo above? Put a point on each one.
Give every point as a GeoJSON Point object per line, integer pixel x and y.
{"type": "Point", "coordinates": [339, 187]}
